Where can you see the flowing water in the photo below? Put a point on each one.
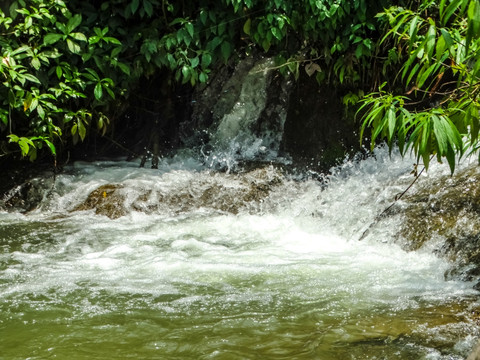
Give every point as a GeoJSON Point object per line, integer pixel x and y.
{"type": "Point", "coordinates": [280, 276]}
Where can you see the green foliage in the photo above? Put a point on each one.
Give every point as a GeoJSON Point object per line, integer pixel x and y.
{"type": "Point", "coordinates": [432, 107]}
{"type": "Point", "coordinates": [67, 66]}
{"type": "Point", "coordinates": [46, 82]}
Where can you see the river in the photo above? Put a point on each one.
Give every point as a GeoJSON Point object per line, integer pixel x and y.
{"type": "Point", "coordinates": [283, 276]}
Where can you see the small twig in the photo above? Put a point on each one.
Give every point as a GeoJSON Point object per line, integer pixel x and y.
{"type": "Point", "coordinates": [287, 63]}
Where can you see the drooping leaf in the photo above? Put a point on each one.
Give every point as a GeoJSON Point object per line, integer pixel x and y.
{"type": "Point", "coordinates": [98, 91]}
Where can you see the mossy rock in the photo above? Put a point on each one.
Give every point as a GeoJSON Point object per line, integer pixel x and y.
{"type": "Point", "coordinates": [448, 213]}
{"type": "Point", "coordinates": [106, 200]}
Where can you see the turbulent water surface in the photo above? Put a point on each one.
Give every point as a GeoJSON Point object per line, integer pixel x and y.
{"type": "Point", "coordinates": [283, 277]}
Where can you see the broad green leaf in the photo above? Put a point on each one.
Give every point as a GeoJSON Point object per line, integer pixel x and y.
{"type": "Point", "coordinates": [206, 60]}
{"type": "Point", "coordinates": [78, 36]}
{"type": "Point", "coordinates": [51, 146]}
{"type": "Point", "coordinates": [31, 78]}
{"type": "Point", "coordinates": [51, 38]}
{"type": "Point", "coordinates": [20, 50]}
{"type": "Point", "coordinates": [226, 50]}
{"type": "Point", "coordinates": [147, 6]}
{"type": "Point", "coordinates": [134, 6]}
{"type": "Point", "coordinates": [33, 104]}
{"type": "Point", "coordinates": [194, 62]}
{"type": "Point", "coordinates": [277, 33]}
{"type": "Point", "coordinates": [203, 16]}
{"type": "Point", "coordinates": [447, 37]}
{"type": "Point", "coordinates": [59, 71]}
{"type": "Point", "coordinates": [24, 146]}
{"type": "Point", "coordinates": [124, 67]}
{"type": "Point", "coordinates": [247, 26]}
{"type": "Point", "coordinates": [98, 91]}
{"type": "Point", "coordinates": [36, 63]}
{"type": "Point", "coordinates": [41, 112]}
{"type": "Point", "coordinates": [112, 40]}
{"type": "Point", "coordinates": [73, 46]}
{"type": "Point", "coordinates": [82, 131]}
{"type": "Point", "coordinates": [73, 22]}
{"type": "Point", "coordinates": [186, 73]}
{"type": "Point", "coordinates": [190, 29]}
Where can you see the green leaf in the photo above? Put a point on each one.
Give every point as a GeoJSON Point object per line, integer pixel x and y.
{"type": "Point", "coordinates": [277, 33]}
{"type": "Point", "coordinates": [190, 29]}
{"type": "Point", "coordinates": [203, 16]}
{"type": "Point", "coordinates": [391, 121]}
{"type": "Point", "coordinates": [20, 50]}
{"type": "Point", "coordinates": [41, 112]}
{"type": "Point", "coordinates": [194, 62]}
{"type": "Point", "coordinates": [24, 146]}
{"type": "Point", "coordinates": [74, 129]}
{"type": "Point", "coordinates": [51, 38]}
{"type": "Point", "coordinates": [78, 36]}
{"type": "Point", "coordinates": [51, 146]}
{"type": "Point", "coordinates": [147, 6]}
{"type": "Point", "coordinates": [31, 78]}
{"type": "Point", "coordinates": [36, 63]}
{"type": "Point", "coordinates": [73, 47]}
{"type": "Point", "coordinates": [82, 131]}
{"type": "Point", "coordinates": [422, 77]}
{"type": "Point", "coordinates": [112, 40]}
{"type": "Point", "coordinates": [226, 50]}
{"type": "Point", "coordinates": [98, 92]}
{"type": "Point", "coordinates": [206, 60]}
{"type": "Point", "coordinates": [134, 6]}
{"type": "Point", "coordinates": [431, 37]}
{"type": "Point", "coordinates": [185, 73]}
{"type": "Point", "coordinates": [73, 22]}
{"type": "Point", "coordinates": [247, 26]}
{"type": "Point", "coordinates": [124, 67]}
{"type": "Point", "coordinates": [451, 159]}
{"type": "Point", "coordinates": [59, 72]}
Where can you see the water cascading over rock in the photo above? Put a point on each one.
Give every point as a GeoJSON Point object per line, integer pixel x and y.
{"type": "Point", "coordinates": [242, 115]}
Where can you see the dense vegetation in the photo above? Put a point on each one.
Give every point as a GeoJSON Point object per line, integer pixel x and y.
{"type": "Point", "coordinates": [69, 69]}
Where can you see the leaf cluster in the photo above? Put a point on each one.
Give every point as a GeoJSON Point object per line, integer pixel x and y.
{"type": "Point", "coordinates": [432, 107]}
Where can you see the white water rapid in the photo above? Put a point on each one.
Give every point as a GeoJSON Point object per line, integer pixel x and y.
{"type": "Point", "coordinates": [199, 270]}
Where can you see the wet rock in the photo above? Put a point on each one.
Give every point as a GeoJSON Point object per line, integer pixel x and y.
{"type": "Point", "coordinates": [28, 195]}
{"type": "Point", "coordinates": [446, 215]}
{"type": "Point", "coordinates": [106, 200]}
{"type": "Point", "coordinates": [230, 193]}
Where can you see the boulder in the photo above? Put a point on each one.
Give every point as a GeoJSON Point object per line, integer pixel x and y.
{"type": "Point", "coordinates": [445, 215]}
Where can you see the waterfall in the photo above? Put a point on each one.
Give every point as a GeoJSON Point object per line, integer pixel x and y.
{"type": "Point", "coordinates": [248, 119]}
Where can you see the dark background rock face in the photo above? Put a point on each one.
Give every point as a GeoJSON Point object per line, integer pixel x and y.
{"type": "Point", "coordinates": [317, 130]}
